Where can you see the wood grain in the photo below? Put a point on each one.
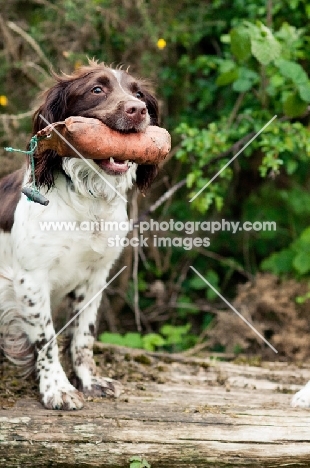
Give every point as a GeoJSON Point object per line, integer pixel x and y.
{"type": "Point", "coordinates": [224, 415]}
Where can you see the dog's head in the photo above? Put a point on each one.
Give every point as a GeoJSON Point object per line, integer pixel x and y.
{"type": "Point", "coordinates": [116, 98]}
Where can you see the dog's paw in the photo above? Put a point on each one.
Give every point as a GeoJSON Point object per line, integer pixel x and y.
{"type": "Point", "coordinates": [103, 387]}
{"type": "Point", "coordinates": [63, 399]}
{"type": "Point", "coordinates": [301, 399]}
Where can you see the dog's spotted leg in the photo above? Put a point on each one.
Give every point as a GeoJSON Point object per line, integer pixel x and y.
{"type": "Point", "coordinates": [32, 293]}
{"type": "Point", "coordinates": [82, 333]}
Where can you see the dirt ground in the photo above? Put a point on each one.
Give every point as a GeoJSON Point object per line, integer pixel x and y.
{"type": "Point", "coordinates": [270, 305]}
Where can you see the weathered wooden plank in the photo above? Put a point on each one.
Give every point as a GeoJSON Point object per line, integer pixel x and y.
{"type": "Point", "coordinates": [221, 416]}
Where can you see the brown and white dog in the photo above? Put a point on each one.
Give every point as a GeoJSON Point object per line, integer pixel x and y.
{"type": "Point", "coordinates": [39, 268]}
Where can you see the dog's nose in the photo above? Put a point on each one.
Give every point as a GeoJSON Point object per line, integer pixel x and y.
{"type": "Point", "coordinates": [135, 109]}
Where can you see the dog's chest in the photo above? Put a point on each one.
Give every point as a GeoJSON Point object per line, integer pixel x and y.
{"type": "Point", "coordinates": [70, 244]}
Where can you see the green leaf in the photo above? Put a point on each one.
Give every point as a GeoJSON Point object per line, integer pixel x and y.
{"type": "Point", "coordinates": [153, 340]}
{"type": "Point", "coordinates": [279, 262]}
{"type": "Point", "coordinates": [291, 166]}
{"type": "Point", "coordinates": [213, 279]}
{"type": "Point", "coordinates": [227, 77]}
{"type": "Point", "coordinates": [305, 236]}
{"type": "Point", "coordinates": [191, 177]}
{"type": "Point", "coordinates": [242, 85]}
{"type": "Point", "coordinates": [247, 78]}
{"type": "Point", "coordinates": [138, 462]}
{"type": "Point", "coordinates": [175, 334]}
{"type": "Point", "coordinates": [135, 464]}
{"type": "Point", "coordinates": [133, 340]}
{"type": "Point", "coordinates": [293, 71]}
{"type": "Point", "coordinates": [294, 106]}
{"type": "Point", "coordinates": [302, 263]}
{"type": "Point", "coordinates": [112, 338]}
{"type": "Point", "coordinates": [301, 246]}
{"type": "Point", "coordinates": [264, 45]}
{"type": "Point", "coordinates": [304, 91]}
{"type": "Point", "coordinates": [302, 299]}
{"type": "Point", "coordinates": [197, 283]}
{"type": "Point", "coordinates": [240, 43]}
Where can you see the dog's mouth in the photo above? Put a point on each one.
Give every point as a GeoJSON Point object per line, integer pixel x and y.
{"type": "Point", "coordinates": [113, 166]}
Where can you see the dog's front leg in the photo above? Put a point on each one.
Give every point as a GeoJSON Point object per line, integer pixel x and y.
{"type": "Point", "coordinates": [33, 295]}
{"type": "Point", "coordinates": [84, 303]}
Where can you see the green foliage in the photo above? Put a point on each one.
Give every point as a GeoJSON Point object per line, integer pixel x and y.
{"type": "Point", "coordinates": [197, 283]}
{"type": "Point", "coordinates": [132, 340]}
{"type": "Point", "coordinates": [296, 258]}
{"type": "Point", "coordinates": [171, 338]}
{"type": "Point", "coordinates": [264, 67]}
{"type": "Point", "coordinates": [138, 462]}
{"type": "Point", "coordinates": [174, 335]}
{"type": "Point", "coordinates": [264, 45]}
{"type": "Point", "coordinates": [303, 299]}
{"type": "Point", "coordinates": [240, 41]}
{"type": "Point", "coordinates": [153, 341]}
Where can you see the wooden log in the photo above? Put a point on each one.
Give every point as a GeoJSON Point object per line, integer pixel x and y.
{"type": "Point", "coordinates": [223, 415]}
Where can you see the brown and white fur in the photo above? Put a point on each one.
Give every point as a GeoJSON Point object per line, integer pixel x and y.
{"type": "Point", "coordinates": [39, 268]}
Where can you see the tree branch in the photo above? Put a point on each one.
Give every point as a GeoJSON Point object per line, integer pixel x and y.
{"type": "Point", "coordinates": [35, 46]}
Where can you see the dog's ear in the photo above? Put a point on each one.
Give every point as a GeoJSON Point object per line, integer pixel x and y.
{"type": "Point", "coordinates": [146, 173]}
{"type": "Point", "coordinates": [152, 107]}
{"type": "Point", "coordinates": [53, 109]}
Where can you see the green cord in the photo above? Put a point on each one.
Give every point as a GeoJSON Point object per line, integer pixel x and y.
{"type": "Point", "coordinates": [33, 146]}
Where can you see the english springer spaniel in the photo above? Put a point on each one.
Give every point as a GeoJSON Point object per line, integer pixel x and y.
{"type": "Point", "coordinates": [40, 268]}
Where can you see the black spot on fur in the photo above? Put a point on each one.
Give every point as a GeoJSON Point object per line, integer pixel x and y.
{"type": "Point", "coordinates": [92, 329]}
{"type": "Point", "coordinates": [72, 295]}
{"type": "Point", "coordinates": [39, 344]}
{"type": "Point", "coordinates": [24, 319]}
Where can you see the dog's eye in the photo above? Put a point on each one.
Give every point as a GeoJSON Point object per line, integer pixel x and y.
{"type": "Point", "coordinates": [97, 90]}
{"type": "Point", "coordinates": [139, 94]}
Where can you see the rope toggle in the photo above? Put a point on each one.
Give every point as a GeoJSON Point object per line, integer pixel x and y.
{"type": "Point", "coordinates": [32, 193]}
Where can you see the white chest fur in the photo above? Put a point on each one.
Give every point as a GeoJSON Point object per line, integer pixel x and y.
{"type": "Point", "coordinates": [69, 237]}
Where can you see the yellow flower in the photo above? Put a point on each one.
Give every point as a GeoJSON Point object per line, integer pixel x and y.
{"type": "Point", "coordinates": [3, 101]}
{"type": "Point", "coordinates": [161, 43]}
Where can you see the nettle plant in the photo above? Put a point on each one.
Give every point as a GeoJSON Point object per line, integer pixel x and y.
{"type": "Point", "coordinates": [262, 69]}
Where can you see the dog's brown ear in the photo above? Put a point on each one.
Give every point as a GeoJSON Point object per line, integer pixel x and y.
{"type": "Point", "coordinates": [152, 107]}
{"type": "Point", "coordinates": [146, 173]}
{"type": "Point", "coordinates": [53, 109]}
